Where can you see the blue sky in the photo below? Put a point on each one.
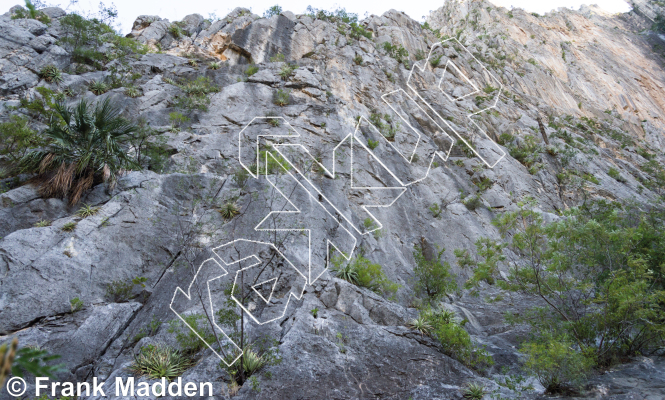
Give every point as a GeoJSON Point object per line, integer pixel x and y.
{"type": "Point", "coordinates": [175, 10]}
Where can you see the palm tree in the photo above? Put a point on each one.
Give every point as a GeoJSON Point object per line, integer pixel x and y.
{"type": "Point", "coordinates": [85, 144]}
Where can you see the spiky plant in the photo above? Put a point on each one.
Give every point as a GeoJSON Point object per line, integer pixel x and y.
{"type": "Point", "coordinates": [474, 391]}
{"type": "Point", "coordinates": [229, 210]}
{"type": "Point", "coordinates": [169, 81]}
{"type": "Point", "coordinates": [281, 97]}
{"type": "Point", "coordinates": [42, 223]}
{"type": "Point", "coordinates": [287, 70]}
{"type": "Point", "coordinates": [86, 144]}
{"type": "Point", "coordinates": [132, 91]}
{"type": "Point", "coordinates": [348, 272]}
{"type": "Point", "coordinates": [250, 363]}
{"type": "Point", "coordinates": [69, 92]}
{"type": "Point", "coordinates": [98, 87]}
{"type": "Point", "coordinates": [215, 65]}
{"type": "Point", "coordinates": [193, 63]}
{"type": "Point", "coordinates": [159, 361]}
{"type": "Point", "coordinates": [87, 211]}
{"type": "Point", "coordinates": [51, 73]}
{"type": "Point", "coordinates": [422, 325]}
{"type": "Point", "coordinates": [68, 227]}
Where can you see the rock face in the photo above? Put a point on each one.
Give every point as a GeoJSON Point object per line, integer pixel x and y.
{"type": "Point", "coordinates": [566, 69]}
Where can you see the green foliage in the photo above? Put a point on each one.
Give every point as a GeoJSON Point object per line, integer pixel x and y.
{"type": "Point", "coordinates": [287, 70]}
{"type": "Point", "coordinates": [240, 177]}
{"type": "Point", "coordinates": [279, 57]}
{"type": "Point", "coordinates": [422, 325]}
{"type": "Point", "coordinates": [17, 139]}
{"type": "Point", "coordinates": [657, 172]}
{"type": "Point", "coordinates": [84, 143]}
{"type": "Point", "coordinates": [474, 391]}
{"type": "Point", "coordinates": [188, 334]}
{"type": "Point", "coordinates": [527, 152]}
{"type": "Point", "coordinates": [362, 272]}
{"type": "Point", "coordinates": [26, 360]}
{"type": "Point", "coordinates": [51, 73]}
{"type": "Point", "coordinates": [272, 11]}
{"type": "Point", "coordinates": [358, 60]}
{"type": "Point", "coordinates": [195, 93]}
{"type": "Point", "coordinates": [31, 13]}
{"type": "Point", "coordinates": [229, 210]}
{"type": "Point", "coordinates": [159, 361]}
{"type": "Point", "coordinates": [486, 266]}
{"type": "Point", "coordinates": [472, 202]}
{"type": "Point", "coordinates": [315, 312]}
{"type": "Point", "coordinates": [556, 362]}
{"type": "Point", "coordinates": [42, 223]}
{"type": "Point", "coordinates": [75, 304]}
{"type": "Point", "coordinates": [435, 61]}
{"type": "Point", "coordinates": [87, 211]}
{"type": "Point", "coordinates": [454, 340]}
{"type": "Point", "coordinates": [98, 87]}
{"type": "Point", "coordinates": [282, 97]}
{"type": "Point", "coordinates": [433, 278]}
{"type": "Point", "coordinates": [436, 210]}
{"type": "Point", "coordinates": [600, 270]}
{"type": "Point", "coordinates": [399, 53]}
{"type": "Point", "coordinates": [68, 227]}
{"type": "Point", "coordinates": [215, 65]}
{"type": "Point", "coordinates": [372, 144]}
{"type": "Point", "coordinates": [659, 24]}
{"type": "Point", "coordinates": [337, 16]}
{"type": "Point", "coordinates": [176, 30]}
{"type": "Point", "coordinates": [388, 129]}
{"type": "Point", "coordinates": [357, 31]}
{"type": "Point", "coordinates": [251, 70]}
{"type": "Point", "coordinates": [177, 119]}
{"type": "Point", "coordinates": [132, 91]}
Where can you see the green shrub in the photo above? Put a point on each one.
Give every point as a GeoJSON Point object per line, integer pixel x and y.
{"type": "Point", "coordinates": [362, 272]}
{"type": "Point", "coordinates": [17, 138]}
{"type": "Point", "coordinates": [42, 223]}
{"type": "Point", "coordinates": [196, 93]}
{"type": "Point", "coordinates": [119, 291]}
{"type": "Point", "coordinates": [399, 53]}
{"type": "Point", "coordinates": [177, 119]}
{"type": "Point", "coordinates": [614, 173]}
{"type": "Point", "coordinates": [454, 340]}
{"type": "Point", "coordinates": [132, 91]}
{"type": "Point", "coordinates": [75, 304]}
{"type": "Point", "coordinates": [599, 271]}
{"type": "Point", "coordinates": [159, 361]}
{"type": "Point", "coordinates": [486, 266]}
{"type": "Point", "coordinates": [435, 61]}
{"type": "Point", "coordinates": [282, 97]}
{"type": "Point", "coordinates": [251, 70]}
{"type": "Point", "coordinates": [433, 278]}
{"type": "Point", "coordinates": [272, 11]}
{"type": "Point", "coordinates": [279, 57]}
{"type": "Point", "coordinates": [358, 60]}
{"type": "Point", "coordinates": [372, 144]}
{"type": "Point", "coordinates": [287, 70]}
{"type": "Point", "coordinates": [527, 153]}
{"type": "Point", "coordinates": [85, 143]}
{"type": "Point", "coordinates": [472, 202]}
{"type": "Point", "coordinates": [422, 325]}
{"type": "Point", "coordinates": [187, 333]}
{"type": "Point", "coordinates": [215, 65]}
{"type": "Point", "coordinates": [556, 363]}
{"type": "Point", "coordinates": [357, 31]}
{"type": "Point", "coordinates": [176, 30]}
{"type": "Point", "coordinates": [31, 13]}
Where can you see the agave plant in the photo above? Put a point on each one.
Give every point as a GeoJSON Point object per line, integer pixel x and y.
{"type": "Point", "coordinates": [98, 87]}
{"type": "Point", "coordinates": [215, 65]}
{"type": "Point", "coordinates": [422, 325]}
{"type": "Point", "coordinates": [474, 391]}
{"type": "Point", "coordinates": [158, 362]}
{"type": "Point", "coordinates": [51, 73]}
{"type": "Point", "coordinates": [348, 272]}
{"type": "Point", "coordinates": [86, 144]}
{"type": "Point", "coordinates": [250, 363]}
{"type": "Point", "coordinates": [132, 91]}
{"type": "Point", "coordinates": [229, 210]}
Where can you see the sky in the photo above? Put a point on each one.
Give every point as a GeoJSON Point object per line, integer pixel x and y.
{"type": "Point", "coordinates": [175, 10]}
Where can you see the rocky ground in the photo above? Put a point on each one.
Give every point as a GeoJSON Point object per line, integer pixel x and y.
{"type": "Point", "coordinates": [597, 76]}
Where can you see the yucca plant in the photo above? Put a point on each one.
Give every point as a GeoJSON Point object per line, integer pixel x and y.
{"type": "Point", "coordinates": [85, 144]}
{"type": "Point", "coordinates": [229, 210]}
{"type": "Point", "coordinates": [42, 223]}
{"type": "Point", "coordinates": [51, 73]}
{"type": "Point", "coordinates": [421, 325]}
{"type": "Point", "coordinates": [158, 362]}
{"type": "Point", "coordinates": [215, 65]}
{"type": "Point", "coordinates": [68, 227]}
{"type": "Point", "coordinates": [251, 362]}
{"type": "Point", "coordinates": [348, 272]}
{"type": "Point", "coordinates": [132, 91]}
{"type": "Point", "coordinates": [69, 92]}
{"type": "Point", "coordinates": [98, 87]}
{"type": "Point", "coordinates": [475, 391]}
{"type": "Point", "coordinates": [87, 211]}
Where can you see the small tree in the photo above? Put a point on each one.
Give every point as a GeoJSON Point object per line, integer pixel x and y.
{"type": "Point", "coordinates": [272, 11]}
{"type": "Point", "coordinates": [433, 278]}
